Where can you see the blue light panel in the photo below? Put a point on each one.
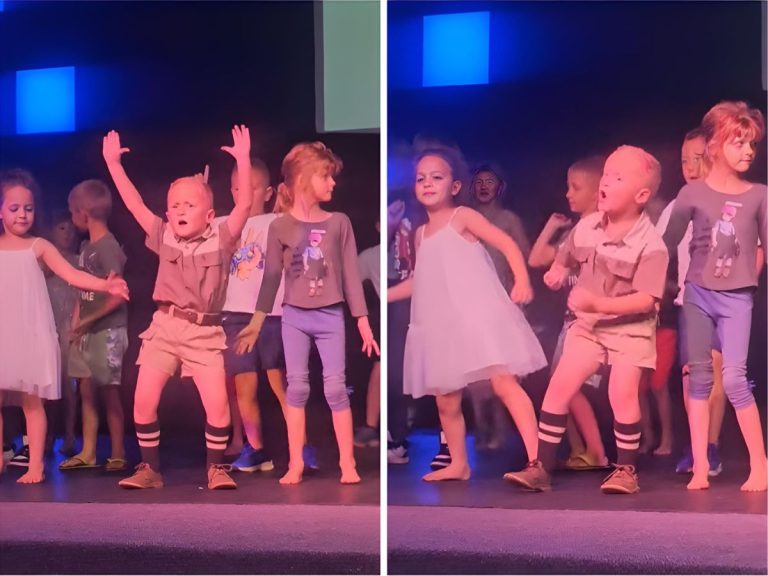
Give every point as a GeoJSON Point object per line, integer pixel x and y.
{"type": "Point", "coordinates": [456, 48]}
{"type": "Point", "coordinates": [45, 100]}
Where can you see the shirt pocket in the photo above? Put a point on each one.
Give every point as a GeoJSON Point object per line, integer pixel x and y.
{"type": "Point", "coordinates": [618, 277]}
{"type": "Point", "coordinates": [169, 253]}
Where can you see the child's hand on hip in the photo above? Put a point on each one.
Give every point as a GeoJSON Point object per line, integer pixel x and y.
{"type": "Point", "coordinates": [246, 339]}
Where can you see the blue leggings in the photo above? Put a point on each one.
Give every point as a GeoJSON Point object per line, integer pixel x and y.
{"type": "Point", "coordinates": [324, 326]}
{"type": "Point", "coordinates": [729, 312]}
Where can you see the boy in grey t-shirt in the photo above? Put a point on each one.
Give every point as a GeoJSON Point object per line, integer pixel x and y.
{"type": "Point", "coordinates": [99, 334]}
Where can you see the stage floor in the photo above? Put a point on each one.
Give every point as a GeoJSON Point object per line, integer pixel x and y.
{"type": "Point", "coordinates": [487, 525]}
{"type": "Point", "coordinates": [81, 522]}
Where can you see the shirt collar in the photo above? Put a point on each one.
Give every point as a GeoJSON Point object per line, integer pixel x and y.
{"type": "Point", "coordinates": [634, 237]}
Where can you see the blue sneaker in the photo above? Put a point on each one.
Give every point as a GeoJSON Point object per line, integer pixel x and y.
{"type": "Point", "coordinates": [252, 460]}
{"type": "Point", "coordinates": [685, 464]}
{"type": "Point", "coordinates": [309, 453]}
{"type": "Point", "coordinates": [715, 463]}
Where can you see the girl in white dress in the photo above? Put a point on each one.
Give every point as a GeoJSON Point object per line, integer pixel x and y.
{"type": "Point", "coordinates": [464, 327]}
{"type": "Point", "coordinates": [30, 364]}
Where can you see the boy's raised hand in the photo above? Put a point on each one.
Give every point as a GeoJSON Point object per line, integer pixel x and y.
{"type": "Point", "coordinates": [241, 147]}
{"type": "Point", "coordinates": [111, 149]}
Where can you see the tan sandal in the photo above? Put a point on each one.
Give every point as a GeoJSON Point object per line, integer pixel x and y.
{"type": "Point", "coordinates": [116, 465]}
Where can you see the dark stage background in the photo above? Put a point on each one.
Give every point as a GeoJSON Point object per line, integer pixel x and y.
{"type": "Point", "coordinates": [173, 78]}
{"type": "Point", "coordinates": [571, 79]}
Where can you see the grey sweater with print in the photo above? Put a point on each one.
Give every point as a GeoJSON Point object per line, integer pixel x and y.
{"type": "Point", "coordinates": [320, 264]}
{"type": "Point", "coordinates": [726, 228]}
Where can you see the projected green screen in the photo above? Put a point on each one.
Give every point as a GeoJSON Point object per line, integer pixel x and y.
{"type": "Point", "coordinates": [347, 65]}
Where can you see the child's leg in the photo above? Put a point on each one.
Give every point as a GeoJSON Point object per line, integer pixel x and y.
{"type": "Point", "coordinates": [575, 441]}
{"type": "Point", "coordinates": [373, 397]}
{"type": "Point", "coordinates": [646, 417]}
{"type": "Point", "coordinates": [698, 332]}
{"type": "Point", "coordinates": [296, 343]}
{"type": "Point", "coordinates": [623, 394]}
{"type": "Point", "coordinates": [69, 407]}
{"type": "Point", "coordinates": [520, 407]}
{"type": "Point", "coordinates": [90, 415]}
{"type": "Point", "coordinates": [34, 413]}
{"type": "Point", "coordinates": [246, 386]}
{"type": "Point", "coordinates": [330, 340]}
{"type": "Point", "coordinates": [211, 385]}
{"type": "Point", "coordinates": [113, 406]}
{"type": "Point", "coordinates": [236, 440]}
{"type": "Point", "coordinates": [149, 388]}
{"type": "Point", "coordinates": [452, 422]}
{"type": "Point", "coordinates": [666, 346]}
{"type": "Point", "coordinates": [579, 361]}
{"type": "Point", "coordinates": [277, 383]}
{"type": "Point", "coordinates": [716, 399]}
{"type": "Point", "coordinates": [733, 329]}
{"type": "Point", "coordinates": [584, 417]}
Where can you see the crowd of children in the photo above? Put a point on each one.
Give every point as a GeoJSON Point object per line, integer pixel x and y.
{"type": "Point", "coordinates": [623, 273]}
{"type": "Point", "coordinates": [249, 293]}
{"type": "Point", "coordinates": [235, 296]}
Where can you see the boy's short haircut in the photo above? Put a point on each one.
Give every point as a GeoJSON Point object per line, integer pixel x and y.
{"type": "Point", "coordinates": [92, 197]}
{"type": "Point", "coordinates": [693, 134]}
{"type": "Point", "coordinates": [651, 167]}
{"type": "Point", "coordinates": [198, 181]}
{"type": "Point", "coordinates": [258, 165]}
{"type": "Point", "coordinates": [592, 165]}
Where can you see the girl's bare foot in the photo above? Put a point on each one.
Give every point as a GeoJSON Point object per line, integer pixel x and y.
{"type": "Point", "coordinates": [293, 476]}
{"type": "Point", "coordinates": [452, 472]}
{"type": "Point", "coordinates": [349, 476]}
{"type": "Point", "coordinates": [700, 480]}
{"type": "Point", "coordinates": [757, 481]}
{"type": "Point", "coordinates": [664, 449]}
{"type": "Point", "coordinates": [32, 476]}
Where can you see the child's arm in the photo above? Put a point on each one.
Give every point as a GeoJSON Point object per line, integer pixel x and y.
{"type": "Point", "coordinates": [71, 275]}
{"type": "Point", "coordinates": [477, 225]}
{"type": "Point", "coordinates": [240, 151]}
{"type": "Point", "coordinates": [401, 291]}
{"type": "Point", "coordinates": [543, 252]}
{"type": "Point", "coordinates": [648, 285]}
{"type": "Point", "coordinates": [404, 290]}
{"type": "Point", "coordinates": [112, 152]}
{"type": "Point", "coordinates": [395, 213]}
{"type": "Point", "coordinates": [678, 220]}
{"type": "Point", "coordinates": [583, 300]}
{"type": "Point", "coordinates": [109, 259]}
{"type": "Point", "coordinates": [270, 283]}
{"type": "Point", "coordinates": [353, 287]}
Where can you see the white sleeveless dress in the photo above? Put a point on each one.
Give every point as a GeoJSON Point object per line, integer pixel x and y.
{"type": "Point", "coordinates": [464, 326]}
{"type": "Point", "coordinates": [29, 345]}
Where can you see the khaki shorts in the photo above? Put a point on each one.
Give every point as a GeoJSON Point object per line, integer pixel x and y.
{"type": "Point", "coordinates": [170, 342]}
{"type": "Point", "coordinates": [612, 346]}
{"type": "Point", "coordinates": [99, 356]}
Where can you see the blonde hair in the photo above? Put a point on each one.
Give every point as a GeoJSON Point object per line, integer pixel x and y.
{"type": "Point", "coordinates": [92, 197]}
{"type": "Point", "coordinates": [651, 168]}
{"type": "Point", "coordinates": [196, 181]}
{"type": "Point", "coordinates": [303, 158]}
{"type": "Point", "coordinates": [728, 119]}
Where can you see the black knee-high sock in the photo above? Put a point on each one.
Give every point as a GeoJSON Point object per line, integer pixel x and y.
{"type": "Point", "coordinates": [551, 432]}
{"type": "Point", "coordinates": [149, 443]}
{"type": "Point", "coordinates": [627, 442]}
{"type": "Point", "coordinates": [216, 440]}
